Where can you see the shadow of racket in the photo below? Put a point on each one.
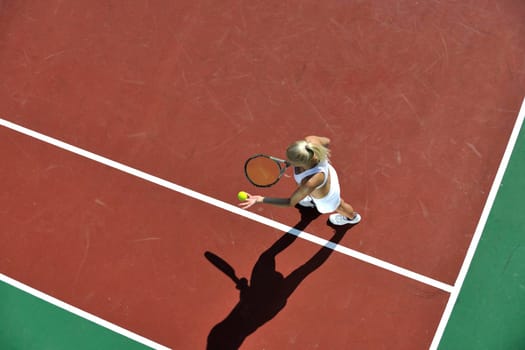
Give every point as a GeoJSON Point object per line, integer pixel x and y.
{"type": "Point", "coordinates": [226, 268]}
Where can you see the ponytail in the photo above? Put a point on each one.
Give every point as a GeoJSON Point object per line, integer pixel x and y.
{"type": "Point", "coordinates": [304, 152]}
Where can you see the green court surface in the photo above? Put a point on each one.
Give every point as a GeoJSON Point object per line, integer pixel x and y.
{"type": "Point", "coordinates": [30, 323]}
{"type": "Point", "coordinates": [490, 310]}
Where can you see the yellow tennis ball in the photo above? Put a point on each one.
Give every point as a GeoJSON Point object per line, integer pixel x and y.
{"type": "Point", "coordinates": [242, 196]}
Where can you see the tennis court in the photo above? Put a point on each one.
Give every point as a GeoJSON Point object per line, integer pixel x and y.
{"type": "Point", "coordinates": [124, 129]}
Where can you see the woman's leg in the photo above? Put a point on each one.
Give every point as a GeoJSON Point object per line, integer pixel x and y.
{"type": "Point", "coordinates": [346, 210]}
{"type": "Point", "coordinates": [345, 215]}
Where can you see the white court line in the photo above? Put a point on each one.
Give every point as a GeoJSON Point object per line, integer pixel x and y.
{"type": "Point", "coordinates": [479, 229]}
{"type": "Point", "coordinates": [228, 207]}
{"type": "Point", "coordinates": [83, 314]}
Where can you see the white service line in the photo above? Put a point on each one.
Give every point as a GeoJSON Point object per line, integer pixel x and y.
{"type": "Point", "coordinates": [479, 229]}
{"type": "Point", "coordinates": [228, 207]}
{"type": "Point", "coordinates": [81, 313]}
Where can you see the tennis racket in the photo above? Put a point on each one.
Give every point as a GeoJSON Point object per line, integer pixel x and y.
{"type": "Point", "coordinates": [263, 170]}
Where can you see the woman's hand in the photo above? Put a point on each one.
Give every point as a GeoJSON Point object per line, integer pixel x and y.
{"type": "Point", "coordinates": [251, 200]}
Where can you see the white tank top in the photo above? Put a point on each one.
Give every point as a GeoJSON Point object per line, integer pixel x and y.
{"type": "Point", "coordinates": [321, 167]}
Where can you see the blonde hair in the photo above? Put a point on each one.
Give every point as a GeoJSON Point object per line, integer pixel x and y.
{"type": "Point", "coordinates": [305, 152]}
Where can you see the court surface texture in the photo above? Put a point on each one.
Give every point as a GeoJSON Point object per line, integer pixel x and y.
{"type": "Point", "coordinates": [124, 127]}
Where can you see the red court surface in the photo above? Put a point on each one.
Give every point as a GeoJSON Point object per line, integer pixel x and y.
{"type": "Point", "coordinates": [418, 98]}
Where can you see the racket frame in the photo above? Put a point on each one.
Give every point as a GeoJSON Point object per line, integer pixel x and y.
{"type": "Point", "coordinates": [281, 163]}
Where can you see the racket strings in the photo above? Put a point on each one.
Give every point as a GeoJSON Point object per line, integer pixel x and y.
{"type": "Point", "coordinates": [263, 171]}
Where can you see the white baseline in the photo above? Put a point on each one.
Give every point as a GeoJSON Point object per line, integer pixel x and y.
{"type": "Point", "coordinates": [228, 207]}
{"type": "Point", "coordinates": [81, 313]}
{"type": "Point", "coordinates": [479, 229]}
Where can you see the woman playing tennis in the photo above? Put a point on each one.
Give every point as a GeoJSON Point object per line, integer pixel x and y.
{"type": "Point", "coordinates": [318, 184]}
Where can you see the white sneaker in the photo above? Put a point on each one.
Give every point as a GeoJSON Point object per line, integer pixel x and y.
{"type": "Point", "coordinates": [307, 202]}
{"type": "Point", "coordinates": [340, 220]}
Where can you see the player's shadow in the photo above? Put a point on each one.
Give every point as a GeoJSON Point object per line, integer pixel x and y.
{"type": "Point", "coordinates": [268, 291]}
